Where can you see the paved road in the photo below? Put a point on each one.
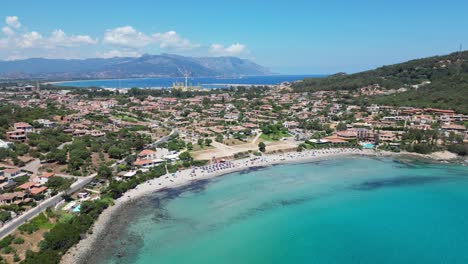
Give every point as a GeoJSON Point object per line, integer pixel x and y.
{"type": "Point", "coordinates": [32, 166]}
{"type": "Point", "coordinates": [15, 223]}
{"type": "Point", "coordinates": [256, 137]}
{"type": "Point", "coordinates": [64, 144]}
{"type": "Point", "coordinates": [163, 139]}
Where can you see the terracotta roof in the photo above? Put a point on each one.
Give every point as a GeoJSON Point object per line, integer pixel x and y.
{"type": "Point", "coordinates": [11, 170]}
{"type": "Point", "coordinates": [454, 126]}
{"type": "Point", "coordinates": [142, 162]}
{"type": "Point", "coordinates": [47, 175]}
{"type": "Point", "coordinates": [9, 196]}
{"type": "Point", "coordinates": [335, 139]}
{"type": "Point", "coordinates": [38, 190]}
{"type": "Point", "coordinates": [146, 152]}
{"type": "Point", "coordinates": [27, 185]}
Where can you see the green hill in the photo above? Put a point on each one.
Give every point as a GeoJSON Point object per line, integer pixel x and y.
{"type": "Point", "coordinates": [448, 88]}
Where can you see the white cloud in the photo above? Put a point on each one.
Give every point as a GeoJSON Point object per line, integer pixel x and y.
{"type": "Point", "coordinates": [12, 21]}
{"type": "Point", "coordinates": [59, 38]}
{"type": "Point", "coordinates": [8, 31]}
{"type": "Point", "coordinates": [119, 53]}
{"type": "Point", "coordinates": [126, 36]}
{"type": "Point", "coordinates": [171, 40]}
{"type": "Point", "coordinates": [29, 40]}
{"type": "Point", "coordinates": [237, 50]}
{"type": "Point", "coordinates": [16, 41]}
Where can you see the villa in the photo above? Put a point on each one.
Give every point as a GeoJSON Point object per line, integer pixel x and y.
{"type": "Point", "coordinates": [147, 154]}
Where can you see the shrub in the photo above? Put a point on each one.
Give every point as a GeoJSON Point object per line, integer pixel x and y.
{"type": "Point", "coordinates": [5, 242]}
{"type": "Point", "coordinates": [18, 241]}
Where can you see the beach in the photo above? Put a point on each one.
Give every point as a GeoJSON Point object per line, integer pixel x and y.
{"type": "Point", "coordinates": [188, 176]}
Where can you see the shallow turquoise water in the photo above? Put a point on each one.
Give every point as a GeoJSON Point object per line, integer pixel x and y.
{"type": "Point", "coordinates": [351, 210]}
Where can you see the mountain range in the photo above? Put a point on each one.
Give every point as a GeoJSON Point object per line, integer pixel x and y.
{"type": "Point", "coordinates": [164, 65]}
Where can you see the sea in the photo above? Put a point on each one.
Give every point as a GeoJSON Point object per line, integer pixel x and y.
{"type": "Point", "coordinates": [354, 210]}
{"type": "Point", "coordinates": [205, 82]}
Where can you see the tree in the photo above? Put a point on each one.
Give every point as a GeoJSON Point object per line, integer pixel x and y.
{"type": "Point", "coordinates": [185, 156]}
{"type": "Point", "coordinates": [208, 141]}
{"type": "Point", "coordinates": [5, 216]}
{"type": "Point", "coordinates": [261, 147]}
{"type": "Point", "coordinates": [341, 126]}
{"type": "Point", "coordinates": [58, 183]}
{"type": "Point", "coordinates": [104, 172]}
{"type": "Point", "coordinates": [219, 138]}
{"type": "Point", "coordinates": [200, 142]}
{"type": "Point", "coordinates": [190, 146]}
{"type": "Point", "coordinates": [115, 152]}
{"type": "Point", "coordinates": [60, 156]}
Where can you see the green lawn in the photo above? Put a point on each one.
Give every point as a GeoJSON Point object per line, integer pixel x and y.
{"type": "Point", "coordinates": [274, 137]}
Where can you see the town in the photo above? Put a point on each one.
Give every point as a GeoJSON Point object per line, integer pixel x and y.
{"type": "Point", "coordinates": [62, 148]}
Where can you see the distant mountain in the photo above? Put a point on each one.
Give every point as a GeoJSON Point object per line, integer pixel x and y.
{"type": "Point", "coordinates": [164, 65]}
{"type": "Point", "coordinates": [448, 77]}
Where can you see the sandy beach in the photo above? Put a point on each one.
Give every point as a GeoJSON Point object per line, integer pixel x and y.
{"type": "Point", "coordinates": [188, 176]}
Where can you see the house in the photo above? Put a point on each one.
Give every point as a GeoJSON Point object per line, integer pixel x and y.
{"type": "Point", "coordinates": [38, 190]}
{"type": "Point", "coordinates": [347, 134]}
{"type": "Point", "coordinates": [459, 129]}
{"type": "Point", "coordinates": [9, 198]}
{"type": "Point", "coordinates": [147, 163]}
{"type": "Point", "coordinates": [46, 123]}
{"type": "Point", "coordinates": [440, 111]}
{"type": "Point", "coordinates": [363, 133]}
{"type": "Point", "coordinates": [97, 133]}
{"type": "Point", "coordinates": [28, 185]}
{"type": "Point", "coordinates": [335, 140]}
{"type": "Point", "coordinates": [290, 124]}
{"type": "Point", "coordinates": [127, 174]}
{"type": "Point", "coordinates": [147, 154]}
{"type": "Point", "coordinates": [387, 136]}
{"type": "Point", "coordinates": [13, 173]}
{"type": "Point", "coordinates": [44, 177]}
{"type": "Point", "coordinates": [22, 126]}
{"type": "Point", "coordinates": [17, 136]}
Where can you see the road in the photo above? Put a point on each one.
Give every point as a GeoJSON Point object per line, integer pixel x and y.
{"type": "Point", "coordinates": [34, 166]}
{"type": "Point", "coordinates": [15, 223]}
{"type": "Point", "coordinates": [163, 139]}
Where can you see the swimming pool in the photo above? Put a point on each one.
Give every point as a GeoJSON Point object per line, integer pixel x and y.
{"type": "Point", "coordinates": [367, 145]}
{"type": "Point", "coordinates": [77, 209]}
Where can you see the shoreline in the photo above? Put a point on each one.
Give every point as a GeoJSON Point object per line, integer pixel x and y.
{"type": "Point", "coordinates": [78, 252]}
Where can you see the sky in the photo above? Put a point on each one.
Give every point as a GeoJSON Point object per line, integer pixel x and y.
{"type": "Point", "coordinates": [289, 37]}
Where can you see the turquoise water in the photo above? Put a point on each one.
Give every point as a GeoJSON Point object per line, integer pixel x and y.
{"type": "Point", "coordinates": [348, 210]}
{"type": "Point", "coordinates": [77, 209]}
{"type": "Point", "coordinates": [367, 145]}
{"type": "Point", "coordinates": [206, 82]}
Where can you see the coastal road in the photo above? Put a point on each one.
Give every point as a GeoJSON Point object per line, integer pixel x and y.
{"type": "Point", "coordinates": [15, 223]}
{"type": "Point", "coordinates": [52, 201]}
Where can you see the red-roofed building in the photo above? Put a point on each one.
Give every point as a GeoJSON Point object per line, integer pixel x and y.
{"type": "Point", "coordinates": [147, 163]}
{"type": "Point", "coordinates": [38, 190]}
{"type": "Point", "coordinates": [28, 185]}
{"type": "Point", "coordinates": [22, 126]}
{"type": "Point", "coordinates": [44, 177]}
{"type": "Point", "coordinates": [147, 154]}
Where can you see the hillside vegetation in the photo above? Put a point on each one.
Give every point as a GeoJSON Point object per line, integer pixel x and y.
{"type": "Point", "coordinates": [448, 88]}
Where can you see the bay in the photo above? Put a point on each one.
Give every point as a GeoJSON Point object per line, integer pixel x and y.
{"type": "Point", "coordinates": [346, 210]}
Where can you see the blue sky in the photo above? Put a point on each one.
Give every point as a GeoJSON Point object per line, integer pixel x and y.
{"type": "Point", "coordinates": [287, 36]}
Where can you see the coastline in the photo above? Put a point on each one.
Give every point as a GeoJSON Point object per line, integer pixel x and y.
{"type": "Point", "coordinates": [78, 253]}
